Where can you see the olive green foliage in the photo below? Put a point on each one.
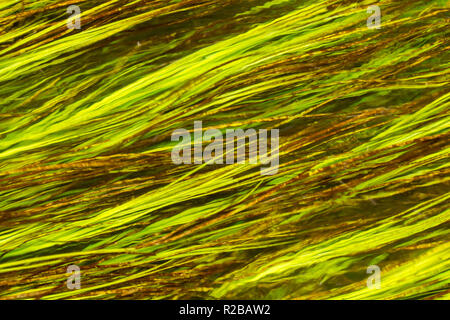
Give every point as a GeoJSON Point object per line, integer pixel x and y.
{"type": "Point", "coordinates": [86, 176]}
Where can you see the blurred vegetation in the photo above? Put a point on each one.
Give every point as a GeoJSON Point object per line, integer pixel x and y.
{"type": "Point", "coordinates": [86, 176]}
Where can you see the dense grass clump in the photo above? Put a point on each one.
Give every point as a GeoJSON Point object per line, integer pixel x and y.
{"type": "Point", "coordinates": [86, 176]}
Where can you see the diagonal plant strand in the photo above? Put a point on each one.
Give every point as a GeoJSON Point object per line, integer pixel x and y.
{"type": "Point", "coordinates": [86, 176]}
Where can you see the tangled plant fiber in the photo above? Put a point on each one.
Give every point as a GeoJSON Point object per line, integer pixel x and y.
{"type": "Point", "coordinates": [86, 176]}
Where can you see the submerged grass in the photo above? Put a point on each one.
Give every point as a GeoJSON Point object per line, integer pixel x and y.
{"type": "Point", "coordinates": [86, 176]}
